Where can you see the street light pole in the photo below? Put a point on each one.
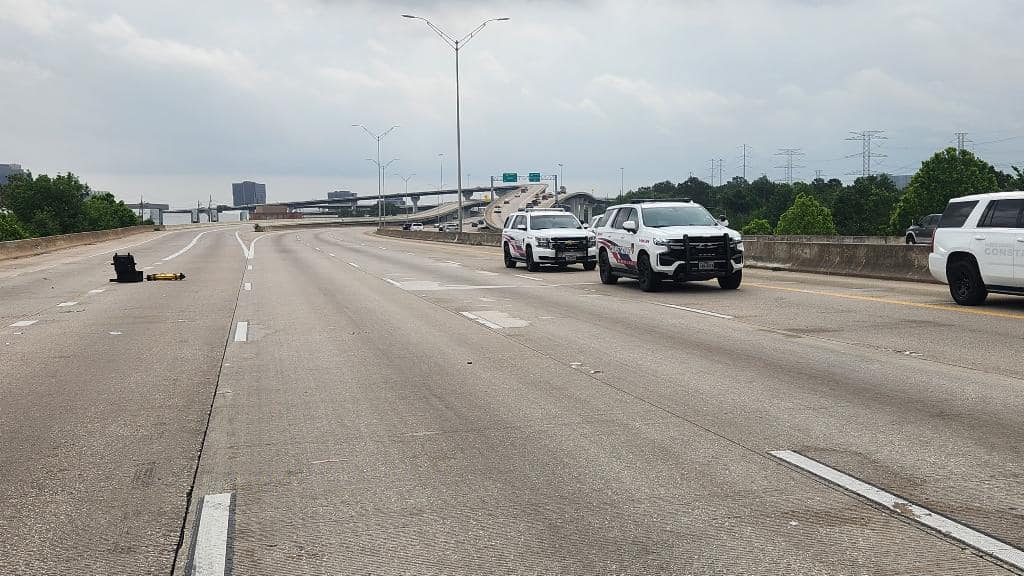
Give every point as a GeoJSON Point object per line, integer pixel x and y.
{"type": "Point", "coordinates": [456, 45]}
{"type": "Point", "coordinates": [441, 186]}
{"type": "Point", "coordinates": [380, 175]}
{"type": "Point", "coordinates": [561, 176]}
{"type": "Point", "coordinates": [622, 181]}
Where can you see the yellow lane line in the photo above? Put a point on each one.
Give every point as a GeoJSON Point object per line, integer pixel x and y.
{"type": "Point", "coordinates": [949, 308]}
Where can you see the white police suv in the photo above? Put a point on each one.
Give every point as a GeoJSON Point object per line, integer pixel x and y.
{"type": "Point", "coordinates": [547, 236]}
{"type": "Point", "coordinates": [978, 246]}
{"type": "Point", "coordinates": [653, 240]}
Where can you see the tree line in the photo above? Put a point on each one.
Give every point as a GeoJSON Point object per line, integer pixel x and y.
{"type": "Point", "coordinates": [44, 206]}
{"type": "Point", "coordinates": [870, 206]}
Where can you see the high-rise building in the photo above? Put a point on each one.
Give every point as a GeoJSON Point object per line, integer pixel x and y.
{"type": "Point", "coordinates": [248, 193]}
{"type": "Point", "coordinates": [8, 169]}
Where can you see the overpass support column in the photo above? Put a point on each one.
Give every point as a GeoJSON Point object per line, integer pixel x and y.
{"type": "Point", "coordinates": [415, 203]}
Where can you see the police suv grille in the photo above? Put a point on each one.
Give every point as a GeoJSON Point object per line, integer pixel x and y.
{"type": "Point", "coordinates": [701, 248]}
{"type": "Point", "coordinates": [569, 243]}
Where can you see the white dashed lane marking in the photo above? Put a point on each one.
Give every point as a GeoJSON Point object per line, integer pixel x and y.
{"type": "Point", "coordinates": [97, 291]}
{"type": "Point", "coordinates": [209, 558]}
{"type": "Point", "coordinates": [23, 323]}
{"type": "Point", "coordinates": [248, 286]}
{"type": "Point", "coordinates": [353, 264]}
{"type": "Point", "coordinates": [242, 332]}
{"type": "Point", "coordinates": [696, 311]}
{"type": "Point", "coordinates": [534, 278]}
{"type": "Point", "coordinates": [66, 304]}
{"type": "Point", "coordinates": [480, 320]}
{"type": "Point", "coordinates": [952, 528]}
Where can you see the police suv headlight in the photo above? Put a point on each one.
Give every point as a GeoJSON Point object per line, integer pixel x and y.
{"type": "Point", "coordinates": [660, 242]}
{"type": "Point", "coordinates": [591, 241]}
{"type": "Point", "coordinates": [543, 242]}
{"type": "Point", "coordinates": [737, 244]}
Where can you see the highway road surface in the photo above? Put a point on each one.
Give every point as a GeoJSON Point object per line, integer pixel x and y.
{"type": "Point", "coordinates": [325, 401]}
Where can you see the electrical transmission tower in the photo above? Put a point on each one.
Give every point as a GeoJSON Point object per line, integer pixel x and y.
{"type": "Point", "coordinates": [961, 140]}
{"type": "Point", "coordinates": [789, 166]}
{"type": "Point", "coordinates": [712, 171]}
{"type": "Point", "coordinates": [818, 175]}
{"type": "Point", "coordinates": [745, 157]}
{"type": "Point", "coordinates": [720, 179]}
{"type": "Point", "coordinates": [866, 137]}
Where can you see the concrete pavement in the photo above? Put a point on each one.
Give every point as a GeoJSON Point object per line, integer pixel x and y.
{"type": "Point", "coordinates": [402, 407]}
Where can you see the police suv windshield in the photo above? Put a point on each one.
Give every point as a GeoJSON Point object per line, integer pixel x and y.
{"type": "Point", "coordinates": [684, 215]}
{"type": "Point", "coordinates": [543, 222]}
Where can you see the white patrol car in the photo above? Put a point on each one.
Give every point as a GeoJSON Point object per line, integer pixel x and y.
{"type": "Point", "coordinates": [651, 240]}
{"type": "Point", "coordinates": [978, 246]}
{"type": "Point", "coordinates": [547, 236]}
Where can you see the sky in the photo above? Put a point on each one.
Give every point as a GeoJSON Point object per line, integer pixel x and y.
{"type": "Point", "coordinates": [174, 100]}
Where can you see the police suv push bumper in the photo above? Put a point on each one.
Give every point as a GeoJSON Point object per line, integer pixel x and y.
{"type": "Point", "coordinates": [697, 257]}
{"type": "Point", "coordinates": [576, 250]}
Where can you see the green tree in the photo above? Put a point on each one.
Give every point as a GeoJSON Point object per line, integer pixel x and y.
{"type": "Point", "coordinates": [103, 212]}
{"type": "Point", "coordinates": [11, 228]}
{"type": "Point", "coordinates": [757, 227]}
{"type": "Point", "coordinates": [864, 208]}
{"type": "Point", "coordinates": [45, 205]}
{"type": "Point", "coordinates": [948, 174]}
{"type": "Point", "coordinates": [806, 216]}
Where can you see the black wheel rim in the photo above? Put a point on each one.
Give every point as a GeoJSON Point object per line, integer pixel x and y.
{"type": "Point", "coordinates": [963, 285]}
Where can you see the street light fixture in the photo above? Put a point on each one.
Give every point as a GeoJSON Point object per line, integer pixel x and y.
{"type": "Point", "coordinates": [456, 45]}
{"type": "Point", "coordinates": [380, 172]}
{"type": "Point", "coordinates": [381, 169]}
{"type": "Point", "coordinates": [561, 178]}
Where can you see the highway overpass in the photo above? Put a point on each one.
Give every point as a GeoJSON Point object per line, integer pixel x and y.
{"type": "Point", "coordinates": [329, 401]}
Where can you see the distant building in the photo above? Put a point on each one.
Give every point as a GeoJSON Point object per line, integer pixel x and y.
{"type": "Point", "coordinates": [8, 169]}
{"type": "Point", "coordinates": [248, 193]}
{"type": "Point", "coordinates": [340, 195]}
{"type": "Point", "coordinates": [901, 180]}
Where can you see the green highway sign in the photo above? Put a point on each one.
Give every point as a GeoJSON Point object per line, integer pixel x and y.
{"type": "Point", "coordinates": [510, 177]}
{"type": "Point", "coordinates": [534, 176]}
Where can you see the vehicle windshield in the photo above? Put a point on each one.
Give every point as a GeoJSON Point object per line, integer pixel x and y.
{"type": "Point", "coordinates": [554, 221]}
{"type": "Point", "coordinates": [689, 215]}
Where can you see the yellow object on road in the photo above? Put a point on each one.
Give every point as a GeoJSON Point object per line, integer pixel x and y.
{"type": "Point", "coordinates": [175, 276]}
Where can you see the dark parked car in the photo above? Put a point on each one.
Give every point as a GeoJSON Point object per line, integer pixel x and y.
{"type": "Point", "coordinates": [922, 231]}
{"type": "Point", "coordinates": [406, 226]}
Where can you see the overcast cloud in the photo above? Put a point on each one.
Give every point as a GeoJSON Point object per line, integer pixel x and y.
{"type": "Point", "coordinates": [178, 99]}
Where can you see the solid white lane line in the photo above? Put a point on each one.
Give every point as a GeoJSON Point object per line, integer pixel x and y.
{"type": "Point", "coordinates": [696, 311]}
{"type": "Point", "coordinates": [392, 282]}
{"type": "Point", "coordinates": [353, 264]}
{"type": "Point", "coordinates": [23, 323]}
{"type": "Point", "coordinates": [248, 285]}
{"type": "Point", "coordinates": [947, 526]}
{"type": "Point", "coordinates": [210, 555]}
{"type": "Point", "coordinates": [529, 277]}
{"type": "Point", "coordinates": [65, 304]}
{"type": "Point", "coordinates": [480, 320]}
{"type": "Point", "coordinates": [187, 246]}
{"type": "Point", "coordinates": [97, 291]}
{"type": "Point", "coordinates": [242, 332]}
{"type": "Point", "coordinates": [452, 262]}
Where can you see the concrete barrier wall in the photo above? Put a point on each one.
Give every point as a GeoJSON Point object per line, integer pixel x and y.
{"type": "Point", "coordinates": [470, 238]}
{"type": "Point", "coordinates": [832, 239]}
{"type": "Point", "coordinates": [33, 246]}
{"type": "Point", "coordinates": [885, 261]}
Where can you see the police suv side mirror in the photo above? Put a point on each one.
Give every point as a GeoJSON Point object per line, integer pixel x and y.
{"type": "Point", "coordinates": [723, 220]}
{"type": "Point", "coordinates": [629, 226]}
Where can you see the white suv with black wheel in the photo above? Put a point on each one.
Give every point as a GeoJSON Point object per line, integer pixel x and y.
{"type": "Point", "coordinates": [654, 240]}
{"type": "Point", "coordinates": [548, 236]}
{"type": "Point", "coordinates": [978, 246]}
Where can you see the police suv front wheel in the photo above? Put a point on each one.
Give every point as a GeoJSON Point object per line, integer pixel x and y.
{"type": "Point", "coordinates": [509, 262]}
{"type": "Point", "coordinates": [648, 278]}
{"type": "Point", "coordinates": [531, 264]}
{"type": "Point", "coordinates": [732, 281]}
{"type": "Point", "coordinates": [605, 269]}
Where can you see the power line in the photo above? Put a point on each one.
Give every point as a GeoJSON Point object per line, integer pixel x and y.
{"type": "Point", "coordinates": [789, 166]}
{"type": "Point", "coordinates": [866, 137]}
